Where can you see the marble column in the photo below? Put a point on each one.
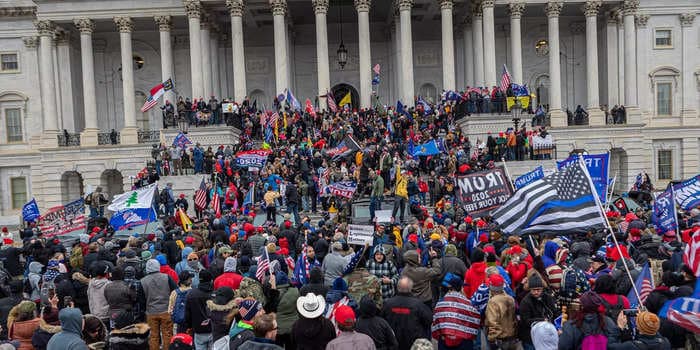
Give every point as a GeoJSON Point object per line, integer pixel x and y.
{"type": "Point", "coordinates": [399, 59]}
{"type": "Point", "coordinates": [468, 52]}
{"type": "Point", "coordinates": [279, 10]}
{"type": "Point", "coordinates": [629, 9]}
{"type": "Point", "coordinates": [322, 66]}
{"type": "Point", "coordinates": [206, 56]}
{"type": "Point", "coordinates": [448, 45]}
{"type": "Point", "coordinates": [478, 49]}
{"type": "Point", "coordinates": [611, 59]}
{"type": "Point", "coordinates": [214, 48]}
{"type": "Point", "coordinates": [595, 115]}
{"type": "Point", "coordinates": [689, 107]}
{"type": "Point", "coordinates": [89, 135]}
{"type": "Point", "coordinates": [487, 7]}
{"type": "Point", "coordinates": [645, 96]}
{"type": "Point", "coordinates": [557, 116]}
{"type": "Point", "coordinates": [48, 85]}
{"type": "Point", "coordinates": [620, 58]}
{"type": "Point", "coordinates": [362, 7]}
{"type": "Point", "coordinates": [193, 8]}
{"type": "Point", "coordinates": [240, 90]}
{"type": "Point", "coordinates": [165, 26]}
{"type": "Point", "coordinates": [406, 52]}
{"type": "Point", "coordinates": [516, 10]}
{"type": "Point", "coordinates": [64, 82]}
{"type": "Point", "coordinates": [129, 134]}
{"type": "Point", "coordinates": [57, 38]}
{"type": "Point", "coordinates": [33, 136]}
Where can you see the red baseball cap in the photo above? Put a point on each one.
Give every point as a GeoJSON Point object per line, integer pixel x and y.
{"type": "Point", "coordinates": [183, 338]}
{"type": "Point", "coordinates": [496, 280]}
{"type": "Point", "coordinates": [344, 316]}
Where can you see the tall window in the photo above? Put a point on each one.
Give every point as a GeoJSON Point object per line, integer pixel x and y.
{"type": "Point", "coordinates": [663, 98]}
{"type": "Point", "coordinates": [9, 62]}
{"type": "Point", "coordinates": [13, 122]}
{"type": "Point", "coordinates": [18, 189]}
{"type": "Point", "coordinates": [664, 163]}
{"type": "Point", "coordinates": [662, 39]}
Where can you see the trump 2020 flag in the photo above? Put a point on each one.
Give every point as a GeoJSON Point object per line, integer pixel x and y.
{"type": "Point", "coordinates": [684, 312]}
{"type": "Point", "coordinates": [560, 203]}
{"type": "Point", "coordinates": [126, 218]}
{"type": "Point", "coordinates": [597, 165]}
{"type": "Point", "coordinates": [644, 286]}
{"type": "Point", "coordinates": [292, 101]}
{"type": "Point", "coordinates": [687, 193]}
{"type": "Point", "coordinates": [155, 93]}
{"type": "Point", "coordinates": [30, 211]}
{"type": "Point", "coordinates": [139, 198]}
{"type": "Point", "coordinates": [664, 215]}
{"type": "Point", "coordinates": [180, 141]}
{"type": "Point", "coordinates": [529, 178]}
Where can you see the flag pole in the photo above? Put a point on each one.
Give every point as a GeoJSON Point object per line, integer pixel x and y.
{"type": "Point", "coordinates": [609, 195]}
{"type": "Point", "coordinates": [675, 214]}
{"type": "Point", "coordinates": [607, 224]}
{"type": "Point", "coordinates": [510, 181]}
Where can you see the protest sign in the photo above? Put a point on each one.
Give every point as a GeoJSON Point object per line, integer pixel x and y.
{"type": "Point", "coordinates": [597, 165]}
{"type": "Point", "coordinates": [227, 107]}
{"type": "Point", "coordinates": [360, 234]}
{"type": "Point", "coordinates": [483, 191]}
{"type": "Point", "coordinates": [383, 216]}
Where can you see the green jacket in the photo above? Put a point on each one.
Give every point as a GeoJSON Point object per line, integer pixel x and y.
{"type": "Point", "coordinates": [378, 186]}
{"type": "Point", "coordinates": [287, 309]}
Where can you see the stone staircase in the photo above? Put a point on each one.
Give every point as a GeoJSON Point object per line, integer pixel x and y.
{"type": "Point", "coordinates": [185, 184]}
{"type": "Point", "coordinates": [207, 136]}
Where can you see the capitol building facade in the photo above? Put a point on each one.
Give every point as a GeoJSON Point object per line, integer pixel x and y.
{"type": "Point", "coordinates": [74, 74]}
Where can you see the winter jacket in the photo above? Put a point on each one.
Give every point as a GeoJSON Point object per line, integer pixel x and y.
{"type": "Point", "coordinates": [312, 334]}
{"type": "Point", "coordinates": [409, 317]}
{"type": "Point", "coordinates": [157, 287]}
{"type": "Point", "coordinates": [533, 310]}
{"type": "Point", "coordinates": [96, 297]}
{"type": "Point", "coordinates": [454, 265]}
{"type": "Point", "coordinates": [287, 308]}
{"type": "Point", "coordinates": [43, 335]}
{"type": "Point", "coordinates": [351, 341]}
{"type": "Point", "coordinates": [70, 336]}
{"type": "Point", "coordinates": [259, 344]}
{"type": "Point", "coordinates": [476, 275]}
{"type": "Point", "coordinates": [333, 266]}
{"type": "Point", "coordinates": [132, 337]}
{"type": "Point", "coordinates": [34, 279]}
{"type": "Point", "coordinates": [218, 314]}
{"type": "Point", "coordinates": [500, 317]}
{"type": "Point", "coordinates": [119, 296]}
{"type": "Point", "coordinates": [256, 242]}
{"type": "Point", "coordinates": [643, 341]}
{"type": "Point", "coordinates": [196, 314]}
{"type": "Point", "coordinates": [374, 326]}
{"type": "Point", "coordinates": [421, 276]}
{"type": "Point", "coordinates": [572, 336]}
{"type": "Point", "coordinates": [22, 331]}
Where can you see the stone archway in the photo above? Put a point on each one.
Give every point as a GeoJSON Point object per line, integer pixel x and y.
{"type": "Point", "coordinates": [72, 187]}
{"type": "Point", "coordinates": [258, 95]}
{"type": "Point", "coordinates": [619, 167]}
{"type": "Point", "coordinates": [340, 90]}
{"type": "Point", "coordinates": [429, 92]}
{"type": "Point", "coordinates": [112, 182]}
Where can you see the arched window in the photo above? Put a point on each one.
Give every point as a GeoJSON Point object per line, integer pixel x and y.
{"type": "Point", "coordinates": [542, 90]}
{"type": "Point", "coordinates": [71, 186]}
{"type": "Point", "coordinates": [260, 96]}
{"type": "Point", "coordinates": [429, 92]}
{"type": "Point", "coordinates": [112, 182]}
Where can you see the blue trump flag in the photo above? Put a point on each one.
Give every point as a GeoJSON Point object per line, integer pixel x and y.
{"type": "Point", "coordinates": [427, 149]}
{"type": "Point", "coordinates": [426, 107]}
{"type": "Point", "coordinates": [684, 312]}
{"type": "Point", "coordinates": [664, 215]}
{"type": "Point", "coordinates": [30, 211]}
{"type": "Point", "coordinates": [597, 165]}
{"type": "Point", "coordinates": [126, 218]}
{"type": "Point", "coordinates": [687, 193]}
{"type": "Point", "coordinates": [400, 108]}
{"type": "Point", "coordinates": [529, 178]}
{"type": "Point", "coordinates": [292, 101]}
{"type": "Point", "coordinates": [181, 141]}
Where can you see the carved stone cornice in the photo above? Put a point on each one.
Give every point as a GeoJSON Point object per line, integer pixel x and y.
{"type": "Point", "coordinates": [553, 8]}
{"type": "Point", "coordinates": [61, 36]}
{"type": "Point", "coordinates": [193, 8]}
{"type": "Point", "coordinates": [477, 9]}
{"type": "Point", "coordinates": [30, 42]}
{"type": "Point", "coordinates": [18, 11]}
{"type": "Point", "coordinates": [84, 25]}
{"type": "Point", "coordinates": [516, 9]}
{"type": "Point", "coordinates": [45, 27]}
{"type": "Point", "coordinates": [641, 20]}
{"type": "Point", "coordinates": [629, 7]}
{"type": "Point", "coordinates": [124, 24]}
{"type": "Point", "coordinates": [591, 8]}
{"type": "Point", "coordinates": [165, 22]}
{"type": "Point", "coordinates": [687, 19]}
{"type": "Point", "coordinates": [364, 5]}
{"type": "Point", "coordinates": [446, 4]}
{"type": "Point", "coordinates": [278, 7]}
{"type": "Point", "coordinates": [320, 6]}
{"type": "Point", "coordinates": [235, 7]}
{"type": "Point", "coordinates": [613, 17]}
{"type": "Point", "coordinates": [487, 4]}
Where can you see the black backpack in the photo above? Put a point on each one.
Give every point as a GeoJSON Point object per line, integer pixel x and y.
{"type": "Point", "coordinates": [613, 311]}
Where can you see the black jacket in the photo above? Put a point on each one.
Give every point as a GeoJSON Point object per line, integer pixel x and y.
{"type": "Point", "coordinates": [119, 296]}
{"type": "Point", "coordinates": [218, 314]}
{"type": "Point", "coordinates": [643, 342]}
{"type": "Point", "coordinates": [292, 194]}
{"type": "Point", "coordinates": [374, 326]}
{"type": "Point", "coordinates": [533, 310]}
{"type": "Point", "coordinates": [409, 317]}
{"type": "Point", "coordinates": [312, 334]}
{"type": "Point", "coordinates": [10, 260]}
{"type": "Point", "coordinates": [316, 288]}
{"type": "Point", "coordinates": [133, 337]}
{"type": "Point", "coordinates": [196, 313]}
{"type": "Point", "coordinates": [172, 251]}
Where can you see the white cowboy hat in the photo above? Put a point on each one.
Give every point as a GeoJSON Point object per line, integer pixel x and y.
{"type": "Point", "coordinates": [311, 306]}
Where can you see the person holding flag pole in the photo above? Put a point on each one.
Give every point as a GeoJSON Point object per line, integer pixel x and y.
{"type": "Point", "coordinates": [505, 167]}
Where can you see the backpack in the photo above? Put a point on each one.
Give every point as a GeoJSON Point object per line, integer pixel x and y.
{"type": "Point", "coordinates": [178, 316]}
{"type": "Point", "coordinates": [568, 284]}
{"type": "Point", "coordinates": [594, 342]}
{"type": "Point", "coordinates": [613, 311]}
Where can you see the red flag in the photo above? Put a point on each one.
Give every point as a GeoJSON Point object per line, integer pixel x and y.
{"type": "Point", "coordinates": [310, 108]}
{"type": "Point", "coordinates": [691, 256]}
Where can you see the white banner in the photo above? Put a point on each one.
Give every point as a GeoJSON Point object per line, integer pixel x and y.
{"type": "Point", "coordinates": [227, 107]}
{"type": "Point", "coordinates": [139, 198]}
{"type": "Point", "coordinates": [360, 234]}
{"type": "Point", "coordinates": [538, 141]}
{"type": "Point", "coordinates": [383, 216]}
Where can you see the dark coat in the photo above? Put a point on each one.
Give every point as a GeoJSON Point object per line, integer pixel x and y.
{"type": "Point", "coordinates": [649, 342]}
{"type": "Point", "coordinates": [292, 194]}
{"type": "Point", "coordinates": [218, 314]}
{"type": "Point", "coordinates": [533, 310]}
{"type": "Point", "coordinates": [196, 313]}
{"type": "Point", "coordinates": [119, 296]}
{"type": "Point", "coordinates": [572, 336]}
{"type": "Point", "coordinates": [133, 337]}
{"type": "Point", "coordinates": [374, 326]}
{"type": "Point", "coordinates": [312, 334]}
{"type": "Point", "coordinates": [409, 317]}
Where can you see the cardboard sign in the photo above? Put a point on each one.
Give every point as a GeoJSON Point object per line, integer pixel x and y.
{"type": "Point", "coordinates": [360, 234]}
{"type": "Point", "coordinates": [483, 191]}
{"type": "Point", "coordinates": [383, 216]}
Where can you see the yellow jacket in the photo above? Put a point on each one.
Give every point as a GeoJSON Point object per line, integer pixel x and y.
{"type": "Point", "coordinates": [401, 182]}
{"type": "Point", "coordinates": [270, 197]}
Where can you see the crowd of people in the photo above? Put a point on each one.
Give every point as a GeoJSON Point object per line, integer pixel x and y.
{"type": "Point", "coordinates": [434, 276]}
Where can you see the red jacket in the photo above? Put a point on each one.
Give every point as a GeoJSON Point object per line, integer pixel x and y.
{"type": "Point", "coordinates": [475, 276]}
{"type": "Point", "coordinates": [170, 272]}
{"type": "Point", "coordinates": [517, 272]}
{"type": "Point", "coordinates": [228, 279]}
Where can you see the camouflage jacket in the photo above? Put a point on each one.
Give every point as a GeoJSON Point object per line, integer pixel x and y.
{"type": "Point", "coordinates": [361, 282]}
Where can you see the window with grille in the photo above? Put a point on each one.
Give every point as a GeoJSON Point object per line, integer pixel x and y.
{"type": "Point", "coordinates": [13, 122]}
{"type": "Point", "coordinates": [18, 189]}
{"type": "Point", "coordinates": [9, 62]}
{"type": "Point", "coordinates": [664, 163]}
{"type": "Point", "coordinates": [663, 99]}
{"type": "Point", "coordinates": [663, 39]}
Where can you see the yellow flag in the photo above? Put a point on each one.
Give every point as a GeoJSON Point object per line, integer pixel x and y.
{"type": "Point", "coordinates": [185, 220]}
{"type": "Point", "coordinates": [347, 100]}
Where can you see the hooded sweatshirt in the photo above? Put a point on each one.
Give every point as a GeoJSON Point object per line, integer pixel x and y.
{"type": "Point", "coordinates": [96, 297]}
{"type": "Point", "coordinates": [34, 279]}
{"type": "Point", "coordinates": [374, 326]}
{"type": "Point", "coordinates": [229, 278]}
{"type": "Point", "coordinates": [421, 276]}
{"type": "Point", "coordinates": [71, 331]}
{"type": "Point", "coordinates": [157, 287]}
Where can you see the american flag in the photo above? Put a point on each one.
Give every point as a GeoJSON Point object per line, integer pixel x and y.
{"type": "Point", "coordinates": [216, 202]}
{"type": "Point", "coordinates": [62, 219]}
{"type": "Point", "coordinates": [644, 286]}
{"type": "Point", "coordinates": [263, 266]}
{"type": "Point", "coordinates": [505, 79]}
{"type": "Point", "coordinates": [273, 119]}
{"type": "Point", "coordinates": [561, 202]}
{"type": "Point", "coordinates": [691, 255]}
{"type": "Point", "coordinates": [149, 103]}
{"type": "Point", "coordinates": [331, 102]}
{"type": "Point", "coordinates": [200, 196]}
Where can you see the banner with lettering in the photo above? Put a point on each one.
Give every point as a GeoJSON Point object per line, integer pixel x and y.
{"type": "Point", "coordinates": [529, 178]}
{"type": "Point", "coordinates": [254, 158]}
{"type": "Point", "coordinates": [597, 165]}
{"type": "Point", "coordinates": [483, 191]}
{"type": "Point", "coordinates": [62, 219]}
{"type": "Point", "coordinates": [30, 211]}
{"type": "Point", "coordinates": [664, 215]}
{"type": "Point", "coordinates": [342, 189]}
{"type": "Point", "coordinates": [687, 193]}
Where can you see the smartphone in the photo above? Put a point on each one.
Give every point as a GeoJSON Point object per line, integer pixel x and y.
{"type": "Point", "coordinates": [67, 301]}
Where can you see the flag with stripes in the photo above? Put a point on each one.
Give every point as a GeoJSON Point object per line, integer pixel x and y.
{"type": "Point", "coordinates": [62, 219]}
{"type": "Point", "coordinates": [263, 266]}
{"type": "Point", "coordinates": [155, 93]}
{"type": "Point", "coordinates": [216, 202]}
{"type": "Point", "coordinates": [691, 255]}
{"type": "Point", "coordinates": [330, 101]}
{"type": "Point", "coordinates": [272, 120]}
{"type": "Point", "coordinates": [644, 286]}
{"type": "Point", "coordinates": [455, 318]}
{"type": "Point", "coordinates": [561, 203]}
{"type": "Point", "coordinates": [505, 79]}
{"type": "Point", "coordinates": [684, 312]}
{"type": "Point", "coordinates": [200, 196]}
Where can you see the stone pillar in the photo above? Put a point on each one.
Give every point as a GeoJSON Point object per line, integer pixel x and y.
{"type": "Point", "coordinates": [48, 85]}
{"type": "Point", "coordinates": [689, 107]}
{"type": "Point", "coordinates": [239, 82]}
{"type": "Point", "coordinates": [399, 59]}
{"type": "Point", "coordinates": [89, 135]}
{"type": "Point", "coordinates": [64, 82]}
{"type": "Point", "coordinates": [165, 25]}
{"type": "Point", "coordinates": [362, 7]}
{"type": "Point", "coordinates": [468, 52]}
{"type": "Point", "coordinates": [406, 53]}
{"type": "Point", "coordinates": [620, 58]}
{"type": "Point", "coordinates": [629, 8]}
{"type": "Point", "coordinates": [557, 117]}
{"type": "Point", "coordinates": [33, 136]}
{"type": "Point", "coordinates": [279, 10]}
{"type": "Point", "coordinates": [322, 65]}
{"type": "Point", "coordinates": [129, 134]}
{"type": "Point", "coordinates": [645, 97]}
{"type": "Point", "coordinates": [489, 43]}
{"type": "Point", "coordinates": [206, 56]}
{"type": "Point", "coordinates": [516, 10]}
{"type": "Point", "coordinates": [611, 59]}
{"type": "Point", "coordinates": [193, 8]}
{"type": "Point", "coordinates": [57, 37]}
{"type": "Point", "coordinates": [448, 45]}
{"type": "Point", "coordinates": [214, 48]}
{"type": "Point", "coordinates": [478, 50]}
{"type": "Point", "coordinates": [595, 115]}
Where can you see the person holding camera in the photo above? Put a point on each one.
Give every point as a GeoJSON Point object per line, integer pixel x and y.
{"type": "Point", "coordinates": [647, 337]}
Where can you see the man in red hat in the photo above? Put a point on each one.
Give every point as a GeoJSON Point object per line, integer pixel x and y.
{"type": "Point", "coordinates": [348, 339]}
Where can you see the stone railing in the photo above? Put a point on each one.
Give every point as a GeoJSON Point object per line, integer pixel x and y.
{"type": "Point", "coordinates": [68, 140]}
{"type": "Point", "coordinates": [149, 136]}
{"type": "Point", "coordinates": [108, 138]}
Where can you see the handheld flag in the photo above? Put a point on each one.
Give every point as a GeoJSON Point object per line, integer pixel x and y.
{"type": "Point", "coordinates": [62, 219]}
{"type": "Point", "coordinates": [184, 220]}
{"type": "Point", "coordinates": [691, 256]}
{"type": "Point", "coordinates": [263, 266]}
{"type": "Point", "coordinates": [346, 100]}
{"type": "Point", "coordinates": [30, 211]}
{"type": "Point", "coordinates": [427, 149]}
{"type": "Point", "coordinates": [505, 79]}
{"type": "Point", "coordinates": [375, 80]}
{"type": "Point", "coordinates": [376, 68]}
{"type": "Point", "coordinates": [644, 285]}
{"type": "Point", "coordinates": [330, 101]}
{"type": "Point", "coordinates": [139, 198]}
{"type": "Point", "coordinates": [309, 108]}
{"type": "Point", "coordinates": [687, 193]}
{"type": "Point", "coordinates": [684, 312]}
{"type": "Point", "coordinates": [528, 178]}
{"type": "Point", "coordinates": [180, 141]}
{"type": "Point", "coordinates": [597, 165]}
{"type": "Point", "coordinates": [426, 107]}
{"type": "Point", "coordinates": [126, 218]}
{"type": "Point", "coordinates": [292, 101]}
{"type": "Point", "coordinates": [155, 93]}
{"type": "Point", "coordinates": [249, 196]}
{"type": "Point", "coordinates": [200, 196]}
{"type": "Point", "coordinates": [664, 214]}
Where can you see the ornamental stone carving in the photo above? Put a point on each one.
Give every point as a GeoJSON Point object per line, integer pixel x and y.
{"type": "Point", "coordinates": [30, 42]}
{"type": "Point", "coordinates": [363, 5]}
{"type": "Point", "coordinates": [404, 5]}
{"type": "Point", "coordinates": [641, 20]}
{"type": "Point", "coordinates": [235, 7]}
{"type": "Point", "coordinates": [320, 6]}
{"type": "Point", "coordinates": [476, 9]}
{"type": "Point", "coordinates": [44, 27]}
{"type": "Point", "coordinates": [278, 7]}
{"type": "Point", "coordinates": [446, 4]}
{"type": "Point", "coordinates": [124, 24]}
{"type": "Point", "coordinates": [193, 8]}
{"type": "Point", "coordinates": [687, 19]}
{"type": "Point", "coordinates": [629, 7]}
{"type": "Point", "coordinates": [84, 25]}
{"type": "Point", "coordinates": [590, 8]}
{"type": "Point", "coordinates": [18, 11]}
{"type": "Point", "coordinates": [487, 4]}
{"type": "Point", "coordinates": [553, 8]}
{"type": "Point", "coordinates": [61, 36]}
{"type": "Point", "coordinates": [516, 9]}
{"type": "Point", "coordinates": [612, 17]}
{"type": "Point", "coordinates": [165, 23]}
